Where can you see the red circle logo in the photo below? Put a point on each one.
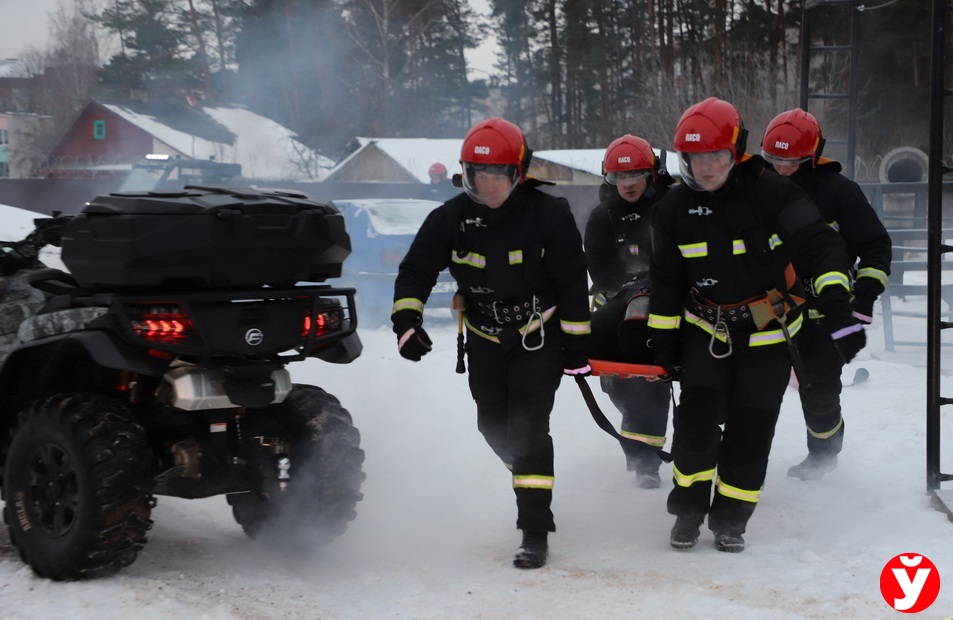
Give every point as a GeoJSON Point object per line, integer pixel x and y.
{"type": "Point", "coordinates": [910, 582]}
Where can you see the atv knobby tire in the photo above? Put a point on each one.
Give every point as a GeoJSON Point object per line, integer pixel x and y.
{"type": "Point", "coordinates": [325, 474]}
{"type": "Point", "coordinates": [78, 487]}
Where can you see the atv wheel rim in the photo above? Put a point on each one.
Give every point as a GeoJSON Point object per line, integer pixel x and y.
{"type": "Point", "coordinates": [53, 489]}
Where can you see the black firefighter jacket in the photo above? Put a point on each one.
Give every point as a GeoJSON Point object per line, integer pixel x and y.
{"type": "Point", "coordinates": [845, 208]}
{"type": "Point", "coordinates": [619, 236]}
{"type": "Point", "coordinates": [733, 245]}
{"type": "Point", "coordinates": [503, 259]}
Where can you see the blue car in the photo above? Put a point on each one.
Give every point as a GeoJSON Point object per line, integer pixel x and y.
{"type": "Point", "coordinates": [381, 232]}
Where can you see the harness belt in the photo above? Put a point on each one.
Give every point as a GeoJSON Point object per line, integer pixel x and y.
{"type": "Point", "coordinates": [509, 312]}
{"type": "Point", "coordinates": [748, 316]}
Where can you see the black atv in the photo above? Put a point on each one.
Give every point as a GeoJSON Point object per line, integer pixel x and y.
{"type": "Point", "coordinates": [157, 366]}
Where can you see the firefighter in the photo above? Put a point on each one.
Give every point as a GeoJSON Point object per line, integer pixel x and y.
{"type": "Point", "coordinates": [721, 313]}
{"type": "Point", "coordinates": [517, 257]}
{"type": "Point", "coordinates": [618, 245]}
{"type": "Point", "coordinates": [792, 145]}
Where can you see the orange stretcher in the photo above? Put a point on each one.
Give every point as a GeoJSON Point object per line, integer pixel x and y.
{"type": "Point", "coordinates": [606, 368]}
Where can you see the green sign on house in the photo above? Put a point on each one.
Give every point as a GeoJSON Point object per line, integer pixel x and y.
{"type": "Point", "coordinates": [99, 129]}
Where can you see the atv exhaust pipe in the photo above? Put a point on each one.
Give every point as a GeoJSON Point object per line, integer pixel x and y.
{"type": "Point", "coordinates": [193, 389]}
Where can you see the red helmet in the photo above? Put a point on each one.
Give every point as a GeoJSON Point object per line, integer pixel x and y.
{"type": "Point", "coordinates": [629, 154]}
{"type": "Point", "coordinates": [496, 141]}
{"type": "Point", "coordinates": [793, 135]}
{"type": "Point", "coordinates": [711, 125]}
{"type": "Point", "coordinates": [437, 172]}
{"type": "Point", "coordinates": [496, 146]}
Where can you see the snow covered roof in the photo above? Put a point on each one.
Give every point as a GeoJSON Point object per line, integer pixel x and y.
{"type": "Point", "coordinates": [233, 134]}
{"type": "Point", "coordinates": [14, 68]}
{"type": "Point", "coordinates": [415, 155]}
{"type": "Point", "coordinates": [590, 160]}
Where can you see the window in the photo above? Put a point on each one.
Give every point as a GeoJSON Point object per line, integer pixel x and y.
{"type": "Point", "coordinates": [99, 129]}
{"type": "Point", "coordinates": [3, 137]}
{"type": "Point", "coordinates": [4, 169]}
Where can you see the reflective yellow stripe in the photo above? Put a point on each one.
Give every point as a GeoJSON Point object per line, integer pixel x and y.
{"type": "Point", "coordinates": [408, 303]}
{"type": "Point", "coordinates": [835, 225]}
{"type": "Point", "coordinates": [470, 258]}
{"type": "Point", "coordinates": [687, 480]}
{"type": "Point", "coordinates": [479, 333]}
{"type": "Point", "coordinates": [829, 433]}
{"type": "Point", "coordinates": [876, 274]}
{"type": "Point", "coordinates": [659, 321]}
{"type": "Point", "coordinates": [516, 257]}
{"type": "Point", "coordinates": [738, 247]}
{"type": "Point", "coordinates": [734, 492]}
{"type": "Point", "coordinates": [694, 250]}
{"type": "Point", "coordinates": [575, 327]}
{"type": "Point", "coordinates": [535, 323]}
{"type": "Point", "coordinates": [652, 440]}
{"type": "Point", "coordinates": [774, 241]}
{"type": "Point", "coordinates": [705, 325]}
{"type": "Point", "coordinates": [829, 278]}
{"type": "Point", "coordinates": [633, 250]}
{"type": "Point", "coordinates": [533, 482]}
{"type": "Point", "coordinates": [599, 299]}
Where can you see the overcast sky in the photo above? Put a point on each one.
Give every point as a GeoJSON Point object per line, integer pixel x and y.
{"type": "Point", "coordinates": [25, 25]}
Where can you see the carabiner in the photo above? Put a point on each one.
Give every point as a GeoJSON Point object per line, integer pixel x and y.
{"type": "Point", "coordinates": [720, 327]}
{"type": "Point", "coordinates": [542, 328]}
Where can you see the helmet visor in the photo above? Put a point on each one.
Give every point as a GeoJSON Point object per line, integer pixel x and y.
{"type": "Point", "coordinates": [782, 164]}
{"type": "Point", "coordinates": [626, 177]}
{"type": "Point", "coordinates": [706, 171]}
{"type": "Point", "coordinates": [489, 184]}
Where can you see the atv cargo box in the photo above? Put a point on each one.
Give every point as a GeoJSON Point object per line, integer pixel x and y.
{"type": "Point", "coordinates": [204, 237]}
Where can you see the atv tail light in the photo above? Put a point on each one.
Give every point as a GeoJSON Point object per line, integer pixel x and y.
{"type": "Point", "coordinates": [161, 323]}
{"type": "Point", "coordinates": [393, 256]}
{"type": "Point", "coordinates": [325, 321]}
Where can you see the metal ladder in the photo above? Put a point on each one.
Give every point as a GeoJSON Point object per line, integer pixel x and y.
{"type": "Point", "coordinates": [810, 50]}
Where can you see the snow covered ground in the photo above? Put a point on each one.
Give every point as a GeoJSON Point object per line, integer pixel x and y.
{"type": "Point", "coordinates": [435, 533]}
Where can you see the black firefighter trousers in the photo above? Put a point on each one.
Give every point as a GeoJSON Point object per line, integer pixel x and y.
{"type": "Point", "coordinates": [514, 390]}
{"type": "Point", "coordinates": [744, 392]}
{"type": "Point", "coordinates": [821, 401]}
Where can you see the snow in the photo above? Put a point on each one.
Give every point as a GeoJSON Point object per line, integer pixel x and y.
{"type": "Point", "coordinates": [435, 531]}
{"type": "Point", "coordinates": [391, 216]}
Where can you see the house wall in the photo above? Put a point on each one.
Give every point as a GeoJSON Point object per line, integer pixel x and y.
{"type": "Point", "coordinates": [20, 143]}
{"type": "Point", "coordinates": [82, 146]}
{"type": "Point", "coordinates": [4, 146]}
{"type": "Point", "coordinates": [370, 165]}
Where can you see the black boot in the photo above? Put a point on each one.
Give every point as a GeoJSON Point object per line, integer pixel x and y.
{"type": "Point", "coordinates": [647, 478]}
{"type": "Point", "coordinates": [533, 551]}
{"type": "Point", "coordinates": [685, 533]}
{"type": "Point", "coordinates": [730, 543]}
{"type": "Point", "coordinates": [814, 466]}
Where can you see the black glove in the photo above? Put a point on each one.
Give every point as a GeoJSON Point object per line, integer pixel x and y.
{"type": "Point", "coordinates": [866, 291]}
{"type": "Point", "coordinates": [576, 364]}
{"type": "Point", "coordinates": [667, 360]}
{"type": "Point", "coordinates": [666, 348]}
{"type": "Point", "coordinates": [414, 343]}
{"type": "Point", "coordinates": [848, 336]}
{"type": "Point", "coordinates": [863, 308]}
